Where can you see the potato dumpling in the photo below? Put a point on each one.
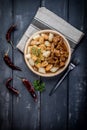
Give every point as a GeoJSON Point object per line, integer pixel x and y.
{"type": "Point", "coordinates": [42, 70]}
{"type": "Point", "coordinates": [46, 53]}
{"type": "Point", "coordinates": [47, 43]}
{"type": "Point", "coordinates": [36, 37]}
{"type": "Point", "coordinates": [45, 36]}
{"type": "Point", "coordinates": [31, 62]}
{"type": "Point", "coordinates": [54, 69]}
{"type": "Point", "coordinates": [29, 49]}
{"type": "Point", "coordinates": [28, 56]}
{"type": "Point", "coordinates": [51, 37]}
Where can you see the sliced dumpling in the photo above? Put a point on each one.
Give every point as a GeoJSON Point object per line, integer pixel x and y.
{"type": "Point", "coordinates": [31, 62]}
{"type": "Point", "coordinates": [36, 36]}
{"type": "Point", "coordinates": [47, 43]}
{"type": "Point", "coordinates": [51, 37]}
{"type": "Point", "coordinates": [46, 53]}
{"type": "Point", "coordinates": [28, 56]}
{"type": "Point", "coordinates": [42, 70]}
{"type": "Point", "coordinates": [54, 69]}
{"type": "Point", "coordinates": [29, 49]}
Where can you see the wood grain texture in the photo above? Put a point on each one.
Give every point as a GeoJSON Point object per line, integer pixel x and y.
{"type": "Point", "coordinates": [5, 72]}
{"type": "Point", "coordinates": [66, 109]}
{"type": "Point", "coordinates": [77, 78]}
{"type": "Point", "coordinates": [25, 110]}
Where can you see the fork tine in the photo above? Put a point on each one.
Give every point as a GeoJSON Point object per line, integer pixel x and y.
{"type": "Point", "coordinates": [73, 65]}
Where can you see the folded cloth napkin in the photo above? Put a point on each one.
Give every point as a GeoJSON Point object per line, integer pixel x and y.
{"type": "Point", "coordinates": [45, 19]}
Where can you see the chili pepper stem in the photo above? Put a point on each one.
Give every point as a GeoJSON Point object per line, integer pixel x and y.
{"type": "Point", "coordinates": [19, 77]}
{"type": "Point", "coordinates": [10, 42]}
{"type": "Point", "coordinates": [40, 79]}
{"type": "Point", "coordinates": [7, 51]}
{"type": "Point", "coordinates": [29, 87]}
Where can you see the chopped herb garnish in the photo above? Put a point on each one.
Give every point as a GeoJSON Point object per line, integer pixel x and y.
{"type": "Point", "coordinates": [39, 51]}
{"type": "Point", "coordinates": [36, 62]}
{"type": "Point", "coordinates": [36, 51]}
{"type": "Point", "coordinates": [39, 86]}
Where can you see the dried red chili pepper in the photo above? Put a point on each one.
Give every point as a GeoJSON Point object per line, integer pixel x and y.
{"type": "Point", "coordinates": [29, 87]}
{"type": "Point", "coordinates": [8, 34]}
{"type": "Point", "coordinates": [12, 89]}
{"type": "Point", "coordinates": [10, 63]}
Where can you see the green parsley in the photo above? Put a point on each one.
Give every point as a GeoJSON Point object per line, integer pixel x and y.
{"type": "Point", "coordinates": [35, 51]}
{"type": "Point", "coordinates": [39, 86]}
{"type": "Point", "coordinates": [36, 62]}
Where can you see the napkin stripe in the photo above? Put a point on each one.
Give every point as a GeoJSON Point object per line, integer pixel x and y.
{"type": "Point", "coordinates": [38, 23]}
{"type": "Point", "coordinates": [38, 29]}
{"type": "Point", "coordinates": [41, 25]}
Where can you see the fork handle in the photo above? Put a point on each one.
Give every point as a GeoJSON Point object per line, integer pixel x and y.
{"type": "Point", "coordinates": [59, 82]}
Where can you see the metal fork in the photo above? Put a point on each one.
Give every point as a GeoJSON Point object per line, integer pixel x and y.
{"type": "Point", "coordinates": [70, 68]}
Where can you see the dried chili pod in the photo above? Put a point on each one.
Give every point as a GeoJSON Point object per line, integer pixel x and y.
{"type": "Point", "coordinates": [8, 34]}
{"type": "Point", "coordinates": [10, 63]}
{"type": "Point", "coordinates": [29, 87]}
{"type": "Point", "coordinates": [12, 89]}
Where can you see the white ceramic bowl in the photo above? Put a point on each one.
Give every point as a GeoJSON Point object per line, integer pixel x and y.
{"type": "Point", "coordinates": [51, 73]}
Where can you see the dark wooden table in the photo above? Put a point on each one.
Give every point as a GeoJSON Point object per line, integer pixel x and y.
{"type": "Point", "coordinates": [66, 109]}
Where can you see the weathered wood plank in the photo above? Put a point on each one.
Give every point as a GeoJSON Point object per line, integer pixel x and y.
{"type": "Point", "coordinates": [78, 77]}
{"type": "Point", "coordinates": [5, 72]}
{"type": "Point", "coordinates": [21, 112]}
{"type": "Point", "coordinates": [54, 108]}
{"type": "Point", "coordinates": [25, 110]}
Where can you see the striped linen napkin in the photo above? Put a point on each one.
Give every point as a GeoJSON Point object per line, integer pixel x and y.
{"type": "Point", "coordinates": [45, 19]}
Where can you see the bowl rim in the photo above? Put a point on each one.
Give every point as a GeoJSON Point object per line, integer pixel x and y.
{"type": "Point", "coordinates": [48, 74]}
